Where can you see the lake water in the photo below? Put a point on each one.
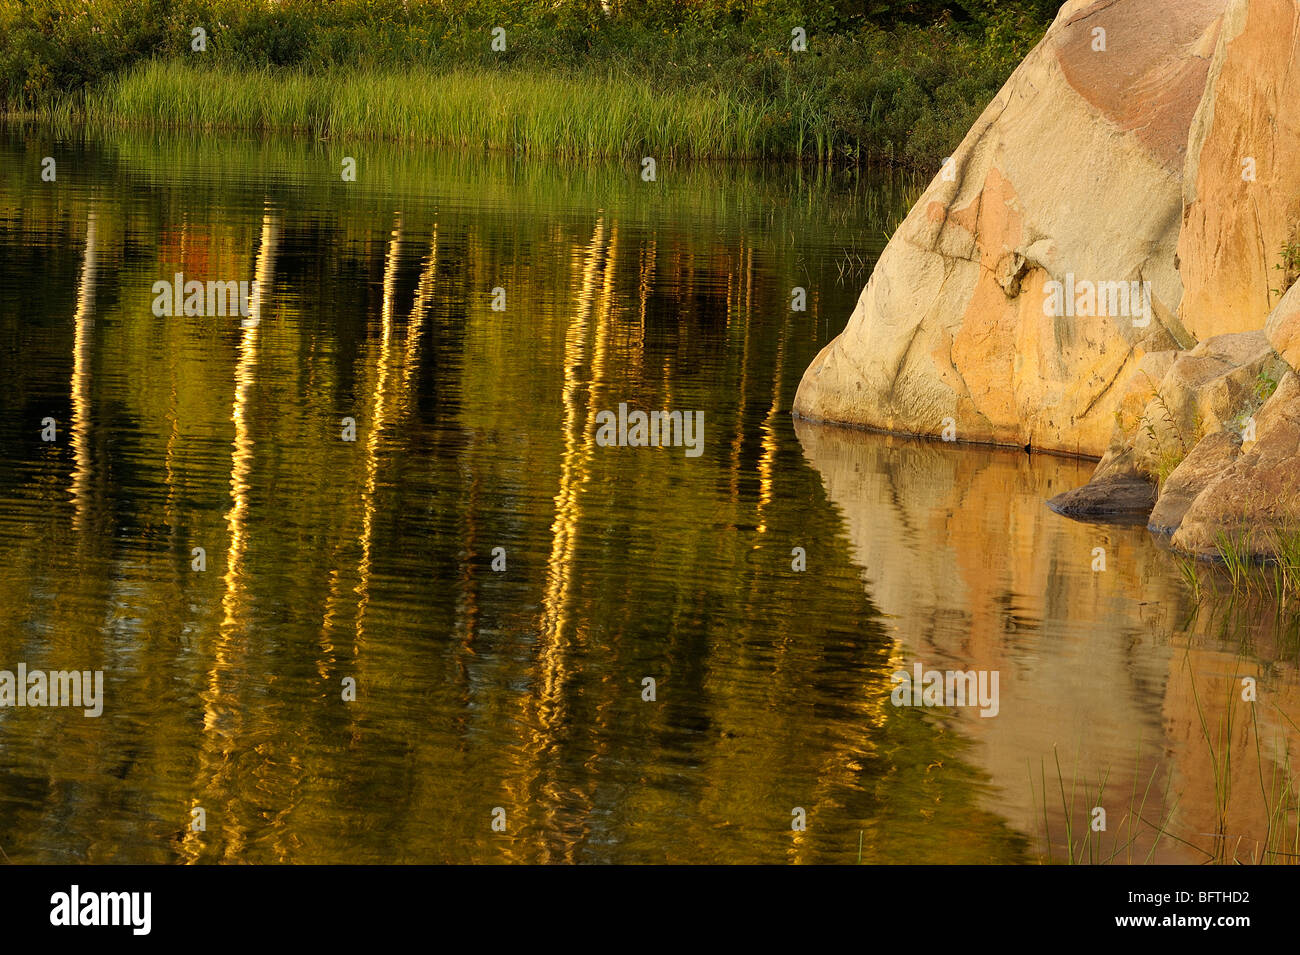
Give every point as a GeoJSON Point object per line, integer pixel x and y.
{"type": "Point", "coordinates": [498, 585]}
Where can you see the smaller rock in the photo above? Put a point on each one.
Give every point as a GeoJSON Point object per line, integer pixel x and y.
{"type": "Point", "coordinates": [1138, 391]}
{"type": "Point", "coordinates": [1258, 496]}
{"type": "Point", "coordinates": [1207, 463]}
{"type": "Point", "coordinates": [1208, 389]}
{"type": "Point", "coordinates": [1117, 493]}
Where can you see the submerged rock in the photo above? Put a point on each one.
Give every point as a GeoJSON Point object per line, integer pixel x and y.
{"type": "Point", "coordinates": [1119, 499]}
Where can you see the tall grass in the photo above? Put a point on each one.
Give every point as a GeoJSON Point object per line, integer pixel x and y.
{"type": "Point", "coordinates": [550, 113]}
{"type": "Point", "coordinates": [1273, 575]}
{"type": "Point", "coordinates": [1235, 553]}
{"type": "Point", "coordinates": [1133, 827]}
{"type": "Point", "coordinates": [1286, 551]}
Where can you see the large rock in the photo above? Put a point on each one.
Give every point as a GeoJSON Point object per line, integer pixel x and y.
{"type": "Point", "coordinates": [1257, 497]}
{"type": "Point", "coordinates": [1242, 197]}
{"type": "Point", "coordinates": [1072, 175]}
{"type": "Point", "coordinates": [1148, 142]}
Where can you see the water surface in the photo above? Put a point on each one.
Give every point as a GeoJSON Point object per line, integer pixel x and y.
{"type": "Point", "coordinates": [520, 687]}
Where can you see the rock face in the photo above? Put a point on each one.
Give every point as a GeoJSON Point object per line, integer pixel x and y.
{"type": "Point", "coordinates": [1106, 267]}
{"type": "Point", "coordinates": [1241, 194]}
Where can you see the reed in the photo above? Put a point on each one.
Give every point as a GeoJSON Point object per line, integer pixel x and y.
{"type": "Point", "coordinates": [1191, 574]}
{"type": "Point", "coordinates": [1287, 563]}
{"type": "Point", "coordinates": [1235, 554]}
{"type": "Point", "coordinates": [1090, 848]}
{"type": "Point", "coordinates": [545, 113]}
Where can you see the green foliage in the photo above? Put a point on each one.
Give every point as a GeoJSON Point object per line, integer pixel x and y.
{"type": "Point", "coordinates": [1169, 456]}
{"type": "Point", "coordinates": [900, 81]}
{"type": "Point", "coordinates": [1235, 553]}
{"type": "Point", "coordinates": [1265, 385]}
{"type": "Point", "coordinates": [1289, 266]}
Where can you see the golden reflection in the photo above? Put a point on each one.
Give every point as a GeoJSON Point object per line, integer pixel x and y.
{"type": "Point", "coordinates": [645, 287]}
{"type": "Point", "coordinates": [222, 711]}
{"type": "Point", "coordinates": [385, 407]}
{"type": "Point", "coordinates": [375, 427]}
{"type": "Point", "coordinates": [415, 324]}
{"type": "Point", "coordinates": [549, 710]}
{"type": "Point", "coordinates": [282, 771]}
{"type": "Point", "coordinates": [577, 447]}
{"type": "Point", "coordinates": [169, 456]}
{"type": "Point", "coordinates": [242, 453]}
{"type": "Point", "coordinates": [83, 323]}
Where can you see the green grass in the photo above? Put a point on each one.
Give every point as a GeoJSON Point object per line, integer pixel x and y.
{"type": "Point", "coordinates": [1235, 553]}
{"type": "Point", "coordinates": [1191, 575]}
{"type": "Point", "coordinates": [1286, 549]}
{"type": "Point", "coordinates": [1274, 576]}
{"type": "Point", "coordinates": [613, 116]}
{"type": "Point", "coordinates": [1281, 837]}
